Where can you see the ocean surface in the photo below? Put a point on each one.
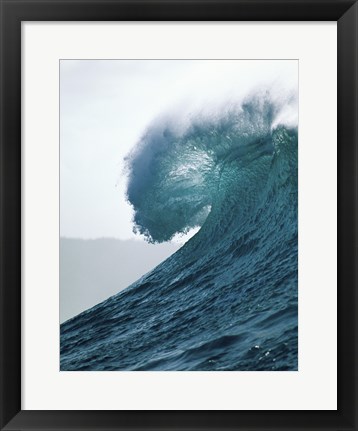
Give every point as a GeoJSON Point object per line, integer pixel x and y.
{"type": "Point", "coordinates": [228, 299]}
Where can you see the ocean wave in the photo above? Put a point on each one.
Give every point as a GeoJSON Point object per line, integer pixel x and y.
{"type": "Point", "coordinates": [227, 300]}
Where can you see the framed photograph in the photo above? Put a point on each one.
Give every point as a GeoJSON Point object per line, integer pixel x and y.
{"type": "Point", "coordinates": [178, 215]}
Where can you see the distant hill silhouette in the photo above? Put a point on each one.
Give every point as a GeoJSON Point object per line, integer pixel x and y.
{"type": "Point", "coordinates": [93, 270]}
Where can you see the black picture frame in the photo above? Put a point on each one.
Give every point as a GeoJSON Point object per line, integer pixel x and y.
{"type": "Point", "coordinates": [13, 12]}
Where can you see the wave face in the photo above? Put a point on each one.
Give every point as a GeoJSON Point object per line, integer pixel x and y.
{"type": "Point", "coordinates": [227, 300]}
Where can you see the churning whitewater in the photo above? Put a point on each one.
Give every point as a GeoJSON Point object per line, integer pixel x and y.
{"type": "Point", "coordinates": [228, 299]}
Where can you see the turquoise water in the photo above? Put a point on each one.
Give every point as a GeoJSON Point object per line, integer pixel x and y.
{"type": "Point", "coordinates": [227, 300]}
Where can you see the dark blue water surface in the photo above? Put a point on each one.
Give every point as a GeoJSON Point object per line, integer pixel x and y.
{"type": "Point", "coordinates": [227, 300]}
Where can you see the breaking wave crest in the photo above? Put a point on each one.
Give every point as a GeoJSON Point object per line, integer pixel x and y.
{"type": "Point", "coordinates": [179, 174]}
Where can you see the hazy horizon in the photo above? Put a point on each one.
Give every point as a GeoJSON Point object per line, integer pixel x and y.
{"type": "Point", "coordinates": [92, 270]}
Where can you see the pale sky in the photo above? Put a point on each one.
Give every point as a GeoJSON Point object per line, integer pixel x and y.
{"type": "Point", "coordinates": [105, 107]}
